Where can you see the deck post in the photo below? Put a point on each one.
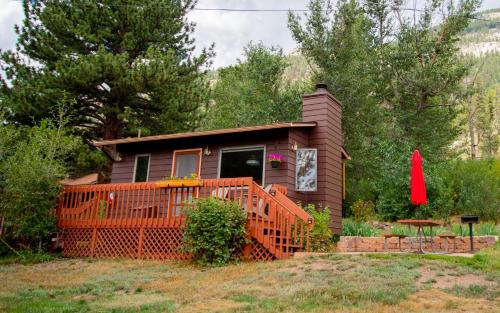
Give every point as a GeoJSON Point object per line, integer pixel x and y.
{"type": "Point", "coordinates": [247, 250]}
{"type": "Point", "coordinates": [307, 237]}
{"type": "Point", "coordinates": [94, 240]}
{"type": "Point", "coordinates": [141, 241]}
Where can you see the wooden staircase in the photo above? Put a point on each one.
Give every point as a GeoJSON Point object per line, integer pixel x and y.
{"type": "Point", "coordinates": [144, 219]}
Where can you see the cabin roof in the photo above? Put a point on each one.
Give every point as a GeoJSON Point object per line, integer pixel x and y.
{"type": "Point", "coordinates": [204, 133]}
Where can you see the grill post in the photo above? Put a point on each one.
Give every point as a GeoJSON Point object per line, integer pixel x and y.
{"type": "Point", "coordinates": [470, 219]}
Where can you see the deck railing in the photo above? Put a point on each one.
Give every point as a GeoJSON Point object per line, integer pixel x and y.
{"type": "Point", "coordinates": [274, 221]}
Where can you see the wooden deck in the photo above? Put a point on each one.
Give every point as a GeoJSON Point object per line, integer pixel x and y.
{"type": "Point", "coordinates": [144, 220]}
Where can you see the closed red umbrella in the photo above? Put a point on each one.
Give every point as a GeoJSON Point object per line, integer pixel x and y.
{"type": "Point", "coordinates": [418, 194]}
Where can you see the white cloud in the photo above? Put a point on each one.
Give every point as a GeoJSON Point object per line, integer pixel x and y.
{"type": "Point", "coordinates": [230, 31]}
{"type": "Point", "coordinates": [11, 13]}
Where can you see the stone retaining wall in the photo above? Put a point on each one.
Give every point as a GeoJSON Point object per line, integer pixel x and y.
{"type": "Point", "coordinates": [376, 244]}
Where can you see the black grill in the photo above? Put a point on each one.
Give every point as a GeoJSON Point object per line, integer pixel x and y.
{"type": "Point", "coordinates": [466, 219]}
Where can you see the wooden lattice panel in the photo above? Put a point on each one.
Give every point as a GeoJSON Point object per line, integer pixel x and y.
{"type": "Point", "coordinates": [117, 242]}
{"type": "Point", "coordinates": [77, 242]}
{"type": "Point", "coordinates": [259, 253]}
{"type": "Point", "coordinates": [163, 243]}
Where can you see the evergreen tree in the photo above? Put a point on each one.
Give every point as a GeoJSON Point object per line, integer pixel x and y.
{"type": "Point", "coordinates": [126, 64]}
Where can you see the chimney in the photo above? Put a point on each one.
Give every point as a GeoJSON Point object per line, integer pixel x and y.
{"type": "Point", "coordinates": [324, 109]}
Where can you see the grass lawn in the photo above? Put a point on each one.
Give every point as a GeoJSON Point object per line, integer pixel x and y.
{"type": "Point", "coordinates": [338, 283]}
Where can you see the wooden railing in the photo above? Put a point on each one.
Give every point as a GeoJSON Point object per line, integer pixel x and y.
{"type": "Point", "coordinates": [274, 221]}
{"type": "Point", "coordinates": [277, 226]}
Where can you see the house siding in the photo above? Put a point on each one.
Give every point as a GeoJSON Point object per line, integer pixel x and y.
{"type": "Point", "coordinates": [274, 141]}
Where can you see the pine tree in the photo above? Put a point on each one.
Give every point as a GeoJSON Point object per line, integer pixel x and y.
{"type": "Point", "coordinates": [125, 64]}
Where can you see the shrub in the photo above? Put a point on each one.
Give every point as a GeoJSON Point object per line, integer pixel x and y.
{"type": "Point", "coordinates": [320, 237]}
{"type": "Point", "coordinates": [362, 210]}
{"type": "Point", "coordinates": [354, 228]}
{"type": "Point", "coordinates": [473, 188]}
{"type": "Point", "coordinates": [29, 181]}
{"type": "Point", "coordinates": [215, 231]}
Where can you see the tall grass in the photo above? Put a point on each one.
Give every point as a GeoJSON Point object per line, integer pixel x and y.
{"type": "Point", "coordinates": [483, 229]}
{"type": "Point", "coordinates": [353, 228]}
{"type": "Point", "coordinates": [362, 229]}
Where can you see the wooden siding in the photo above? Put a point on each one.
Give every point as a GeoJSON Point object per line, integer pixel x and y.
{"type": "Point", "coordinates": [274, 141]}
{"type": "Point", "coordinates": [322, 108]}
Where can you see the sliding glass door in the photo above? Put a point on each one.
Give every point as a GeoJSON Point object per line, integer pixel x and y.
{"type": "Point", "coordinates": [243, 162]}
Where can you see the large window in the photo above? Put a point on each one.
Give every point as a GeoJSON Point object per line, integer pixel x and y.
{"type": "Point", "coordinates": [245, 162]}
{"type": "Point", "coordinates": [186, 163]}
{"type": "Point", "coordinates": [141, 168]}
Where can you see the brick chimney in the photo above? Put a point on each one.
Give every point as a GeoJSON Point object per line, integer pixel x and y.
{"type": "Point", "coordinates": [322, 107]}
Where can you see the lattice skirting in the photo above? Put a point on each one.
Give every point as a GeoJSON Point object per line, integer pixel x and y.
{"type": "Point", "coordinates": [145, 243]}
{"type": "Point", "coordinates": [260, 253]}
{"type": "Point", "coordinates": [148, 243]}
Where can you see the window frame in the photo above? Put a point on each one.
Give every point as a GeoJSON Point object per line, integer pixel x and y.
{"type": "Point", "coordinates": [240, 149]}
{"type": "Point", "coordinates": [187, 151]}
{"type": "Point", "coordinates": [297, 170]}
{"type": "Point", "coordinates": [137, 156]}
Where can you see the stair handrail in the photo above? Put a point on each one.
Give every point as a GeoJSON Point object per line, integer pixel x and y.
{"type": "Point", "coordinates": [292, 209]}
{"type": "Point", "coordinates": [292, 206]}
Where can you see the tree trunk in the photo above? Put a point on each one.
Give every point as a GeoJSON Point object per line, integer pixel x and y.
{"type": "Point", "coordinates": [111, 127]}
{"type": "Point", "coordinates": [472, 133]}
{"type": "Point", "coordinates": [111, 130]}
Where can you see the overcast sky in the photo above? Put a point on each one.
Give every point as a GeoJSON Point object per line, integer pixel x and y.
{"type": "Point", "coordinates": [230, 31]}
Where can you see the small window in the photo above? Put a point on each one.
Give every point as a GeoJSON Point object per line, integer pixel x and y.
{"type": "Point", "coordinates": [186, 163]}
{"type": "Point", "coordinates": [141, 170]}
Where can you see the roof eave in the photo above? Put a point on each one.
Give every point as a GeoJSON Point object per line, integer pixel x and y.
{"type": "Point", "coordinates": [103, 143]}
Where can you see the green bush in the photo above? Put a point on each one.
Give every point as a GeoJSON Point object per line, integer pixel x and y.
{"type": "Point", "coordinates": [354, 228]}
{"type": "Point", "coordinates": [29, 180]}
{"type": "Point", "coordinates": [473, 187]}
{"type": "Point", "coordinates": [362, 210]}
{"type": "Point", "coordinates": [215, 231]}
{"type": "Point", "coordinates": [320, 237]}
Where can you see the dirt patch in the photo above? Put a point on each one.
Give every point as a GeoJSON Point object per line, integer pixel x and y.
{"type": "Point", "coordinates": [301, 268]}
{"type": "Point", "coordinates": [131, 301]}
{"type": "Point", "coordinates": [211, 306]}
{"type": "Point", "coordinates": [443, 279]}
{"type": "Point", "coordinates": [434, 300]}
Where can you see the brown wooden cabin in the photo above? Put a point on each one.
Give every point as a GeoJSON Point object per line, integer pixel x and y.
{"type": "Point", "coordinates": [138, 213]}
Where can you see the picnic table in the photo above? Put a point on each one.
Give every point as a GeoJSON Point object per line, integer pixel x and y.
{"type": "Point", "coordinates": [420, 224]}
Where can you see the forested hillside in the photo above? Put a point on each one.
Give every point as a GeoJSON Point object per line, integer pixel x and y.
{"type": "Point", "coordinates": [480, 119]}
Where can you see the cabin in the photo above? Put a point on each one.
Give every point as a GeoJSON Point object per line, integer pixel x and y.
{"type": "Point", "coordinates": [138, 214]}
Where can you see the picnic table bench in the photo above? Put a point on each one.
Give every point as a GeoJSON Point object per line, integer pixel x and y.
{"type": "Point", "coordinates": [387, 236]}
{"type": "Point", "coordinates": [420, 224]}
{"type": "Point", "coordinates": [445, 237]}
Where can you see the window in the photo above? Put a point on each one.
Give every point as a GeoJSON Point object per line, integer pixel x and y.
{"type": "Point", "coordinates": [245, 162]}
{"type": "Point", "coordinates": [141, 168]}
{"type": "Point", "coordinates": [306, 170]}
{"type": "Point", "coordinates": [186, 163]}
